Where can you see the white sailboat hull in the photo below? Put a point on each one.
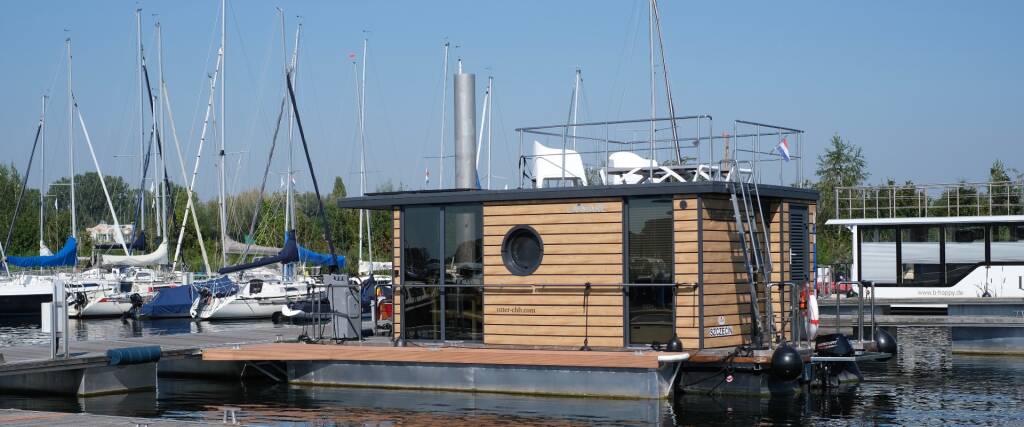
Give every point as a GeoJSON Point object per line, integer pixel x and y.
{"type": "Point", "coordinates": [236, 307]}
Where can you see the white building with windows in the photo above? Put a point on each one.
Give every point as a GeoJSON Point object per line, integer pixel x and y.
{"type": "Point", "coordinates": [103, 233]}
{"type": "Point", "coordinates": [957, 241]}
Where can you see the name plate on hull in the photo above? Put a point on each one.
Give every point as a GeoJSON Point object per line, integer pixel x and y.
{"type": "Point", "coordinates": [719, 331]}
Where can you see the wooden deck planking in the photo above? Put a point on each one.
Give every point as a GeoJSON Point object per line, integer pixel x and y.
{"type": "Point", "coordinates": [447, 355]}
{"type": "Point", "coordinates": [19, 358]}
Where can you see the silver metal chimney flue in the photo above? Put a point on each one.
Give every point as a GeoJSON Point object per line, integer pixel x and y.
{"type": "Point", "coordinates": [465, 131]}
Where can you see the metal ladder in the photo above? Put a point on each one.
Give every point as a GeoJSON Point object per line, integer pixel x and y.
{"type": "Point", "coordinates": [756, 253]}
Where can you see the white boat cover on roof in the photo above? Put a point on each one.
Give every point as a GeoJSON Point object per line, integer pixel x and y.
{"type": "Point", "coordinates": [233, 247]}
{"type": "Point", "coordinates": [157, 257]}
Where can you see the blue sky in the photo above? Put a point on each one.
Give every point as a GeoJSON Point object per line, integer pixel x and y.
{"type": "Point", "coordinates": [931, 90]}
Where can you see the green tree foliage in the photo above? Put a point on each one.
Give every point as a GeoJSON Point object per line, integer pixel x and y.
{"type": "Point", "coordinates": [842, 165]}
{"type": "Point", "coordinates": [269, 231]}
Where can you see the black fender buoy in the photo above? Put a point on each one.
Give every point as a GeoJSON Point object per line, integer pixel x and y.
{"type": "Point", "coordinates": [787, 363]}
{"type": "Point", "coordinates": [674, 345]}
{"type": "Point", "coordinates": [885, 342]}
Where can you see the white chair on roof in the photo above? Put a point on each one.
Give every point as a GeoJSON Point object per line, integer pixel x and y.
{"type": "Point", "coordinates": [627, 159]}
{"type": "Point", "coordinates": [547, 166]}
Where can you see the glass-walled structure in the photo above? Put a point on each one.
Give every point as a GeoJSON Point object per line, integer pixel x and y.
{"type": "Point", "coordinates": [937, 254]}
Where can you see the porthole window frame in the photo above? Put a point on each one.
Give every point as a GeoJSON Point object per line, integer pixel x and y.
{"type": "Point", "coordinates": [506, 258]}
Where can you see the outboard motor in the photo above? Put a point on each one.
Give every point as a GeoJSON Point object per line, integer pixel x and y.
{"type": "Point", "coordinates": [835, 345]}
{"type": "Point", "coordinates": [80, 300]}
{"type": "Point", "coordinates": [787, 363]}
{"type": "Point", "coordinates": [885, 343]}
{"type": "Point", "coordinates": [133, 313]}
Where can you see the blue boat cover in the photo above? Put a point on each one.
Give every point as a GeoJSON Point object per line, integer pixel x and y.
{"type": "Point", "coordinates": [309, 257]}
{"type": "Point", "coordinates": [177, 301]}
{"type": "Point", "coordinates": [67, 256]}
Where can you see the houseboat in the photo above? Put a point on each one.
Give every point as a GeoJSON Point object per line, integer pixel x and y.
{"type": "Point", "coordinates": [604, 272]}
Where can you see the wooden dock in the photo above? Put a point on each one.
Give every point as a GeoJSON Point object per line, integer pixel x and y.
{"type": "Point", "coordinates": [57, 419]}
{"type": "Point", "coordinates": [88, 371]}
{"type": "Point", "coordinates": [36, 358]}
{"type": "Point", "coordinates": [285, 352]}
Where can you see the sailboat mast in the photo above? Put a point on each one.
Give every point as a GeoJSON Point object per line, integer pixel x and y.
{"type": "Point", "coordinates": [291, 123]}
{"type": "Point", "coordinates": [361, 99]}
{"type": "Point", "coordinates": [42, 173]}
{"type": "Point", "coordinates": [575, 106]}
{"type": "Point", "coordinates": [288, 176]}
{"type": "Point", "coordinates": [142, 124]}
{"type": "Point", "coordinates": [668, 87]}
{"type": "Point", "coordinates": [444, 105]}
{"type": "Point", "coordinates": [654, 110]}
{"type": "Point", "coordinates": [223, 90]}
{"type": "Point", "coordinates": [160, 131]}
{"type": "Point", "coordinates": [71, 143]}
{"type": "Point", "coordinates": [490, 114]}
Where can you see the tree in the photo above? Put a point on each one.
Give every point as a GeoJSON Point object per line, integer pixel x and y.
{"type": "Point", "coordinates": [842, 165]}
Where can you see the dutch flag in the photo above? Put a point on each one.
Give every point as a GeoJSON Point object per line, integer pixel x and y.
{"type": "Point", "coordinates": [783, 149]}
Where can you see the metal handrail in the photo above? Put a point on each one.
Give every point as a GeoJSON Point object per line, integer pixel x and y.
{"type": "Point", "coordinates": [924, 200]}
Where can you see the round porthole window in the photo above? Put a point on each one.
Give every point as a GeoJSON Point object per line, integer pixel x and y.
{"type": "Point", "coordinates": [522, 250]}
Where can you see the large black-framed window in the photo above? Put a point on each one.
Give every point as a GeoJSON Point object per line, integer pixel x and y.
{"type": "Point", "coordinates": [963, 249]}
{"type": "Point", "coordinates": [442, 267]}
{"type": "Point", "coordinates": [463, 273]}
{"type": "Point", "coordinates": [920, 255]}
{"type": "Point", "coordinates": [649, 254]}
{"type": "Point", "coordinates": [421, 273]}
{"type": "Point", "coordinates": [938, 255]}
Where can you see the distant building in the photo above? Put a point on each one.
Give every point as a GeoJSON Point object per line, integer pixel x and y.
{"type": "Point", "coordinates": [103, 233]}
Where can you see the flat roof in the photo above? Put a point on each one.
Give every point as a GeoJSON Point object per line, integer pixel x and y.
{"type": "Point", "coordinates": [928, 220]}
{"type": "Point", "coordinates": [451, 196]}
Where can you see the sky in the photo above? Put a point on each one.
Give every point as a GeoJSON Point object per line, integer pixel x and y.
{"type": "Point", "coordinates": [931, 90]}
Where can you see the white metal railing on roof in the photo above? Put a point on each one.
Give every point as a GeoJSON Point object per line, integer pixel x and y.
{"type": "Point", "coordinates": [930, 200]}
{"type": "Point", "coordinates": [670, 149]}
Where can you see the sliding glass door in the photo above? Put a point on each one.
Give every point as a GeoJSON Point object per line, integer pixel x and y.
{"type": "Point", "coordinates": [442, 289]}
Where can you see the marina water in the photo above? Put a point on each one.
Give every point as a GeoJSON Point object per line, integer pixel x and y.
{"type": "Point", "coordinates": [925, 385]}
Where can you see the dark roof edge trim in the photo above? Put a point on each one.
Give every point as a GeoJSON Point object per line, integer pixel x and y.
{"type": "Point", "coordinates": [443, 197]}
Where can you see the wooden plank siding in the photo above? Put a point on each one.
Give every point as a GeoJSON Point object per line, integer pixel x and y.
{"type": "Point", "coordinates": [582, 243]}
{"type": "Point", "coordinates": [724, 278]}
{"type": "Point", "coordinates": [396, 276]}
{"type": "Point", "coordinates": [686, 226]}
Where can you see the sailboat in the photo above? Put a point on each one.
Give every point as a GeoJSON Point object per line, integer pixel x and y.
{"type": "Point", "coordinates": [22, 294]}
{"type": "Point", "coordinates": [264, 295]}
{"type": "Point", "coordinates": [135, 282]}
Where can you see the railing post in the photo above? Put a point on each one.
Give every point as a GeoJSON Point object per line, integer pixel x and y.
{"type": "Point", "coordinates": [873, 323]}
{"type": "Point", "coordinates": [860, 311]}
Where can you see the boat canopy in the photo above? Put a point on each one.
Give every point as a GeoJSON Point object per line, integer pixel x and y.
{"type": "Point", "coordinates": [170, 301]}
{"type": "Point", "coordinates": [157, 257]}
{"type": "Point", "coordinates": [67, 256]}
{"type": "Point", "coordinates": [178, 300]}
{"type": "Point", "coordinates": [310, 257]}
